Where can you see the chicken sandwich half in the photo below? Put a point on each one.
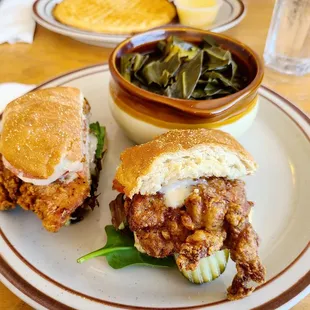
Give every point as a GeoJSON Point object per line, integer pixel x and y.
{"type": "Point", "coordinates": [181, 194]}
{"type": "Point", "coordinates": [50, 155]}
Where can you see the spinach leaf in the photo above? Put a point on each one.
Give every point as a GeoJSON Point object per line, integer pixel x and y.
{"type": "Point", "coordinates": [99, 132]}
{"type": "Point", "coordinates": [121, 252]}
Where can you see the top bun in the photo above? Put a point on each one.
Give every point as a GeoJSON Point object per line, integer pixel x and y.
{"type": "Point", "coordinates": [40, 129]}
{"type": "Point", "coordinates": [181, 154]}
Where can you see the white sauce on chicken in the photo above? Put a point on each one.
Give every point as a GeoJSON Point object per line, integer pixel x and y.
{"type": "Point", "coordinates": [64, 166]}
{"type": "Point", "coordinates": [176, 193]}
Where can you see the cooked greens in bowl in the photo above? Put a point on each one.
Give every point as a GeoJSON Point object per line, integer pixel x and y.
{"type": "Point", "coordinates": [185, 70]}
{"type": "Point", "coordinates": [180, 77]}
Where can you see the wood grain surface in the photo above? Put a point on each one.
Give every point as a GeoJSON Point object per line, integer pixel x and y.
{"type": "Point", "coordinates": [52, 54]}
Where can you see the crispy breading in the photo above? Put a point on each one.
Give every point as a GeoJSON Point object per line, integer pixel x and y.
{"type": "Point", "coordinates": [146, 211]}
{"type": "Point", "coordinates": [206, 206]}
{"type": "Point", "coordinates": [54, 203]}
{"type": "Point", "coordinates": [153, 242]}
{"type": "Point", "coordinates": [199, 245]}
{"type": "Point", "coordinates": [166, 239]}
{"type": "Point", "coordinates": [9, 186]}
{"type": "Point", "coordinates": [248, 264]}
{"type": "Point", "coordinates": [239, 208]}
{"type": "Point", "coordinates": [214, 216]}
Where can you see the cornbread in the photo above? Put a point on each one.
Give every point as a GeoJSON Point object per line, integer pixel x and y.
{"type": "Point", "coordinates": [114, 16]}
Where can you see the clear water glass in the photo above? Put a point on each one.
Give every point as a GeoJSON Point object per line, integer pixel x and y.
{"type": "Point", "coordinates": [287, 47]}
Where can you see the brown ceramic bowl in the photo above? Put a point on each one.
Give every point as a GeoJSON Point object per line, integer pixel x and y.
{"type": "Point", "coordinates": [144, 115]}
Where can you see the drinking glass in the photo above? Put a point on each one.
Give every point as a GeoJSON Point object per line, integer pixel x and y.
{"type": "Point", "coordinates": [287, 47]}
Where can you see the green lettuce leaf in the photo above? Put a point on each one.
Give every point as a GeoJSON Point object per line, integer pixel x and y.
{"type": "Point", "coordinates": [99, 132]}
{"type": "Point", "coordinates": [121, 252]}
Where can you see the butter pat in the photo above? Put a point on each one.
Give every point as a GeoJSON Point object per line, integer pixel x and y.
{"type": "Point", "coordinates": [176, 192]}
{"type": "Point", "coordinates": [197, 13]}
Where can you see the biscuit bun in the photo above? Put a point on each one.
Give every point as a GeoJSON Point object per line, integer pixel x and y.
{"type": "Point", "coordinates": [42, 133]}
{"type": "Point", "coordinates": [178, 155]}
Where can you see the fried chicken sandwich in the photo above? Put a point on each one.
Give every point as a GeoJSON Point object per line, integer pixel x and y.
{"type": "Point", "coordinates": [182, 196]}
{"type": "Point", "coordinates": [50, 155]}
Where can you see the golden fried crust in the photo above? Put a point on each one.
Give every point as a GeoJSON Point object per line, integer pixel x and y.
{"type": "Point", "coordinates": [146, 211]}
{"type": "Point", "coordinates": [137, 161]}
{"type": "Point", "coordinates": [249, 266]}
{"type": "Point", "coordinates": [9, 187]}
{"type": "Point", "coordinates": [215, 216]}
{"type": "Point", "coordinates": [199, 245]}
{"type": "Point", "coordinates": [39, 127]}
{"type": "Point", "coordinates": [114, 16]}
{"type": "Point", "coordinates": [54, 203]}
{"type": "Point", "coordinates": [206, 207]}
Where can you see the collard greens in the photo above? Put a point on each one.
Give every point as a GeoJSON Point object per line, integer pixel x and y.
{"type": "Point", "coordinates": [184, 70]}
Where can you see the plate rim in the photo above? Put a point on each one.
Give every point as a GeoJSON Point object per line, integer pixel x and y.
{"type": "Point", "coordinates": [117, 38]}
{"type": "Point", "coordinates": [44, 300]}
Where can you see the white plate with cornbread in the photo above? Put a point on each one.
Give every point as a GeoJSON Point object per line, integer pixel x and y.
{"type": "Point", "coordinates": [41, 268]}
{"type": "Point", "coordinates": [107, 23]}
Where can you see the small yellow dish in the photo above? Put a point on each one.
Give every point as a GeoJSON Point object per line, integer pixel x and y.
{"type": "Point", "coordinates": [197, 13]}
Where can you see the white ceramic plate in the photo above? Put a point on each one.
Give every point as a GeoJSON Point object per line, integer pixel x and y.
{"type": "Point", "coordinates": [230, 14]}
{"type": "Point", "coordinates": [41, 267]}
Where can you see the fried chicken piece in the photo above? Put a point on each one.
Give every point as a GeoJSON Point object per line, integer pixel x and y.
{"type": "Point", "coordinates": [215, 216]}
{"type": "Point", "coordinates": [238, 209]}
{"type": "Point", "coordinates": [198, 245]}
{"type": "Point", "coordinates": [54, 203]}
{"type": "Point", "coordinates": [243, 243]}
{"type": "Point", "coordinates": [146, 211]}
{"type": "Point", "coordinates": [248, 264]}
{"type": "Point", "coordinates": [5, 202]}
{"type": "Point", "coordinates": [206, 206]}
{"type": "Point", "coordinates": [221, 206]}
{"type": "Point", "coordinates": [173, 228]}
{"type": "Point", "coordinates": [9, 187]}
{"type": "Point", "coordinates": [237, 216]}
{"type": "Point", "coordinates": [153, 242]}
{"type": "Point", "coordinates": [164, 240]}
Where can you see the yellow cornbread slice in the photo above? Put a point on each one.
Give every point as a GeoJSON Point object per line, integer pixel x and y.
{"type": "Point", "coordinates": [114, 16]}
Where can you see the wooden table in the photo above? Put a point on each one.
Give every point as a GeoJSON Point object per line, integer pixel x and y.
{"type": "Point", "coordinates": [52, 54]}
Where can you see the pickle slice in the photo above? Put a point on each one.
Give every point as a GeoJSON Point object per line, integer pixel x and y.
{"type": "Point", "coordinates": [209, 268]}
